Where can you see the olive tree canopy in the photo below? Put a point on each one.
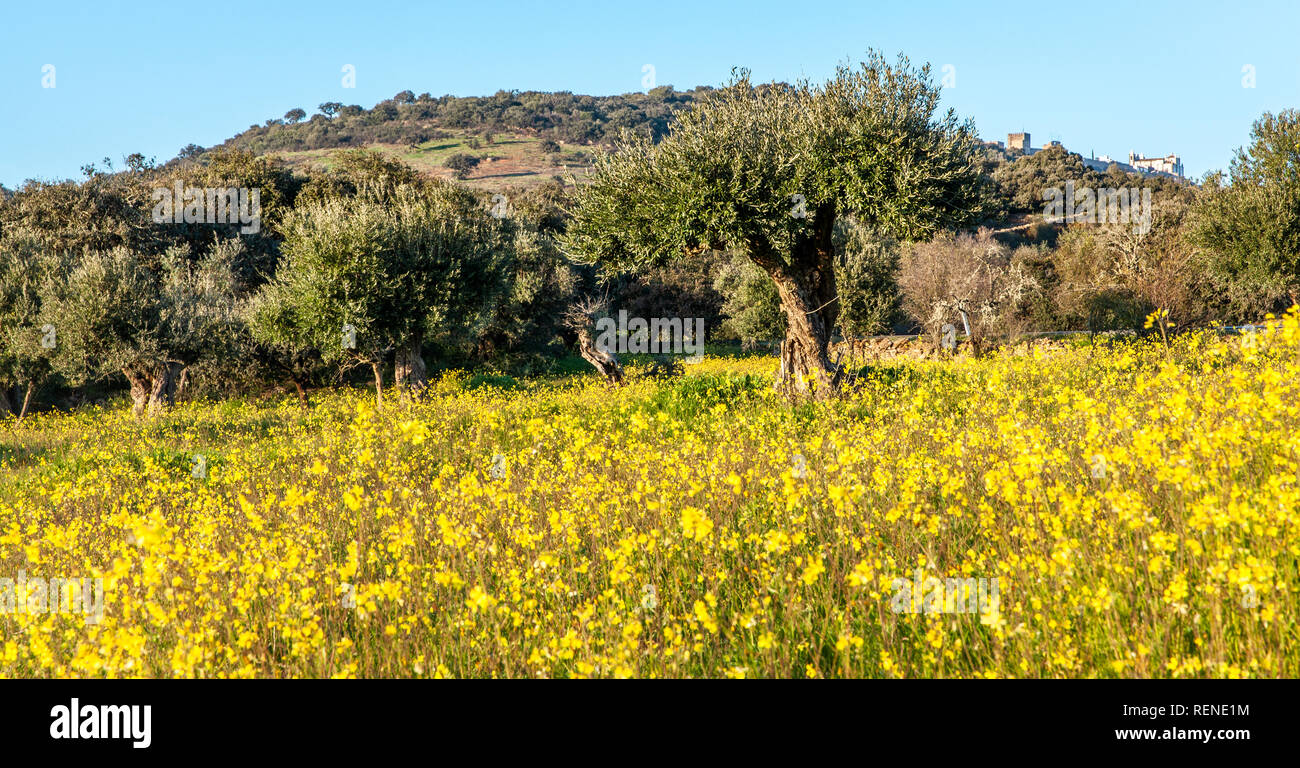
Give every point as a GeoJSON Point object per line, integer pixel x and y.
{"type": "Point", "coordinates": [364, 278]}
{"type": "Point", "coordinates": [766, 170]}
{"type": "Point", "coordinates": [1247, 232]}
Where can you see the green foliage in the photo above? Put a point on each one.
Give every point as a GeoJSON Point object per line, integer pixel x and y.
{"type": "Point", "coordinates": [690, 397]}
{"type": "Point", "coordinates": [750, 302]}
{"type": "Point", "coordinates": [105, 305]}
{"type": "Point", "coordinates": [255, 258]}
{"type": "Point", "coordinates": [681, 288]}
{"type": "Point", "coordinates": [226, 167]}
{"type": "Point", "coordinates": [868, 142]}
{"type": "Point", "coordinates": [569, 117]}
{"type": "Point", "coordinates": [519, 328]}
{"type": "Point", "coordinates": [1248, 231]}
{"type": "Point", "coordinates": [420, 265]}
{"type": "Point", "coordinates": [24, 360]}
{"type": "Point", "coordinates": [104, 212]}
{"type": "Point", "coordinates": [866, 265]}
{"type": "Point", "coordinates": [1022, 181]}
{"type": "Point", "coordinates": [523, 319]}
{"type": "Point", "coordinates": [462, 163]}
{"type": "Point", "coordinates": [359, 172]}
{"type": "Point", "coordinates": [116, 311]}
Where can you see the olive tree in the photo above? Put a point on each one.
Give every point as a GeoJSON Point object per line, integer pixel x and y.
{"type": "Point", "coordinates": [143, 317]}
{"type": "Point", "coordinates": [26, 346]}
{"type": "Point", "coordinates": [362, 279]}
{"type": "Point", "coordinates": [1247, 232]}
{"type": "Point", "coordinates": [767, 170]}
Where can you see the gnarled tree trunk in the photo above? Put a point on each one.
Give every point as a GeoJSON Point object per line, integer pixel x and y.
{"type": "Point", "coordinates": [162, 393]}
{"type": "Point", "coordinates": [605, 362]}
{"type": "Point", "coordinates": [806, 286]}
{"type": "Point", "coordinates": [140, 388]}
{"type": "Point", "coordinates": [410, 375]}
{"type": "Point", "coordinates": [182, 383]}
{"type": "Point", "coordinates": [581, 318]}
{"type": "Point", "coordinates": [153, 388]}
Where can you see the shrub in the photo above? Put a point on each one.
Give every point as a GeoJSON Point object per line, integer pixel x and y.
{"type": "Point", "coordinates": [461, 164]}
{"type": "Point", "coordinates": [965, 279]}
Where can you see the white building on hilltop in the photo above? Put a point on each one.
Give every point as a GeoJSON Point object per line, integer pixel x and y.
{"type": "Point", "coordinates": [1171, 164]}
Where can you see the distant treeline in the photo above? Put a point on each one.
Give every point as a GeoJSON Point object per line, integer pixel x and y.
{"type": "Point", "coordinates": [409, 119]}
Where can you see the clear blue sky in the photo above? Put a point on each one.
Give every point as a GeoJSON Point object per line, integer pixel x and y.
{"type": "Point", "coordinates": [1154, 77]}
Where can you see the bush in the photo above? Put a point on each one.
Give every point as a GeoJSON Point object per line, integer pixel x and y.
{"type": "Point", "coordinates": [461, 164]}
{"type": "Point", "coordinates": [971, 274]}
{"type": "Point", "coordinates": [1247, 232]}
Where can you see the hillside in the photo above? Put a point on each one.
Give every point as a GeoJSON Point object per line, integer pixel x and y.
{"type": "Point", "coordinates": [511, 159]}
{"type": "Point", "coordinates": [522, 138]}
{"type": "Point", "coordinates": [518, 138]}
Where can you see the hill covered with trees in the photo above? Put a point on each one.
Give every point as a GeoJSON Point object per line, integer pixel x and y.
{"type": "Point", "coordinates": [409, 119]}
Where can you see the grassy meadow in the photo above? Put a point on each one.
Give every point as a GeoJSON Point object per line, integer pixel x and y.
{"type": "Point", "coordinates": [1137, 503]}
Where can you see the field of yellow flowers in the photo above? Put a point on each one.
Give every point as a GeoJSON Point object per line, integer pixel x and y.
{"type": "Point", "coordinates": [1136, 502]}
